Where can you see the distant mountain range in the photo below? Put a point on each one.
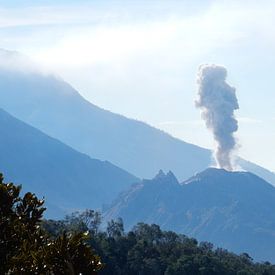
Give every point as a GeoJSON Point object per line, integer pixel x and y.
{"type": "Point", "coordinates": [68, 179]}
{"type": "Point", "coordinates": [59, 145]}
{"type": "Point", "coordinates": [53, 106]}
{"type": "Point", "coordinates": [234, 210]}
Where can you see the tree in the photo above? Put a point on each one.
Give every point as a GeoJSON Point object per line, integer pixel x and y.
{"type": "Point", "coordinates": [115, 229]}
{"type": "Point", "coordinates": [148, 250]}
{"type": "Point", "coordinates": [25, 248]}
{"type": "Point", "coordinates": [88, 220]}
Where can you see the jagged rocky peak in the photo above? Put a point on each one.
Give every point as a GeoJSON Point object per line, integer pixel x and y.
{"type": "Point", "coordinates": [170, 175]}
{"type": "Point", "coordinates": [162, 177]}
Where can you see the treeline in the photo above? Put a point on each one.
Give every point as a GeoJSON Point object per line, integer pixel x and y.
{"type": "Point", "coordinates": [147, 250]}
{"type": "Point", "coordinates": [30, 244]}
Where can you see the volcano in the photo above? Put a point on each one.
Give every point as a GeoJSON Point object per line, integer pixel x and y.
{"type": "Point", "coordinates": [233, 210]}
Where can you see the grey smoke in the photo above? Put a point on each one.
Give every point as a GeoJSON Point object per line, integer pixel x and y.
{"type": "Point", "coordinates": [217, 101]}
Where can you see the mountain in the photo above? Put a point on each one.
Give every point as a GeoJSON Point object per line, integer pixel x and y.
{"type": "Point", "coordinates": [233, 210]}
{"type": "Point", "coordinates": [53, 106]}
{"type": "Point", "coordinates": [66, 178]}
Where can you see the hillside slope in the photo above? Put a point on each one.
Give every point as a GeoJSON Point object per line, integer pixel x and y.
{"type": "Point", "coordinates": [68, 179]}
{"type": "Point", "coordinates": [233, 210]}
{"type": "Point", "coordinates": [53, 106]}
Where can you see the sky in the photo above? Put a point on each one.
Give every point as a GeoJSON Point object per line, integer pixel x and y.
{"type": "Point", "coordinates": [140, 59]}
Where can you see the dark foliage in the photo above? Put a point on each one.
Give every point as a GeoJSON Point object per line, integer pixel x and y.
{"type": "Point", "coordinates": [25, 248]}
{"type": "Point", "coordinates": [30, 245]}
{"type": "Point", "coordinates": [147, 250]}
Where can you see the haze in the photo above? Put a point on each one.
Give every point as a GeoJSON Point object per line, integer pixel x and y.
{"type": "Point", "coordinates": [140, 58]}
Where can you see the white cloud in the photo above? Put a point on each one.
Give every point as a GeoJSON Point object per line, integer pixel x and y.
{"type": "Point", "coordinates": [221, 25]}
{"type": "Point", "coordinates": [48, 15]}
{"type": "Point", "coordinates": [102, 44]}
{"type": "Point", "coordinates": [93, 34]}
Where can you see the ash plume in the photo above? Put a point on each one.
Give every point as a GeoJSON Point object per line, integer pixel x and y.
{"type": "Point", "coordinates": [217, 101]}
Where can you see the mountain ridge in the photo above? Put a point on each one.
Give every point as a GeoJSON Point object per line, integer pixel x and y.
{"type": "Point", "coordinates": [56, 108]}
{"type": "Point", "coordinates": [91, 124]}
{"type": "Point", "coordinates": [54, 170]}
{"type": "Point", "coordinates": [230, 209]}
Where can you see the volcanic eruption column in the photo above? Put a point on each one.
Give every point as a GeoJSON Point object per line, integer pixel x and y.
{"type": "Point", "coordinates": [217, 101]}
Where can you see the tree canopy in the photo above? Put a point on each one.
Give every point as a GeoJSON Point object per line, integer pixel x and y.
{"type": "Point", "coordinates": [30, 244]}
{"type": "Point", "coordinates": [26, 248]}
{"type": "Point", "coordinates": [148, 250]}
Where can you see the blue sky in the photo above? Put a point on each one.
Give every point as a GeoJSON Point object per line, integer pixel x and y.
{"type": "Point", "coordinates": [140, 58]}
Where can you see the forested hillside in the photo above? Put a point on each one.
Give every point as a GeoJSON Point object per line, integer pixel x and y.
{"type": "Point", "coordinates": [29, 244]}
{"type": "Point", "coordinates": [148, 250]}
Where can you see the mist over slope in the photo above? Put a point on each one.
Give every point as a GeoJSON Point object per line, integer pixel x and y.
{"type": "Point", "coordinates": [233, 210]}
{"type": "Point", "coordinates": [53, 106]}
{"type": "Point", "coordinates": [66, 178]}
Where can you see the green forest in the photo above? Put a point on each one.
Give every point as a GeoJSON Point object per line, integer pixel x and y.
{"type": "Point", "coordinates": [82, 244]}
